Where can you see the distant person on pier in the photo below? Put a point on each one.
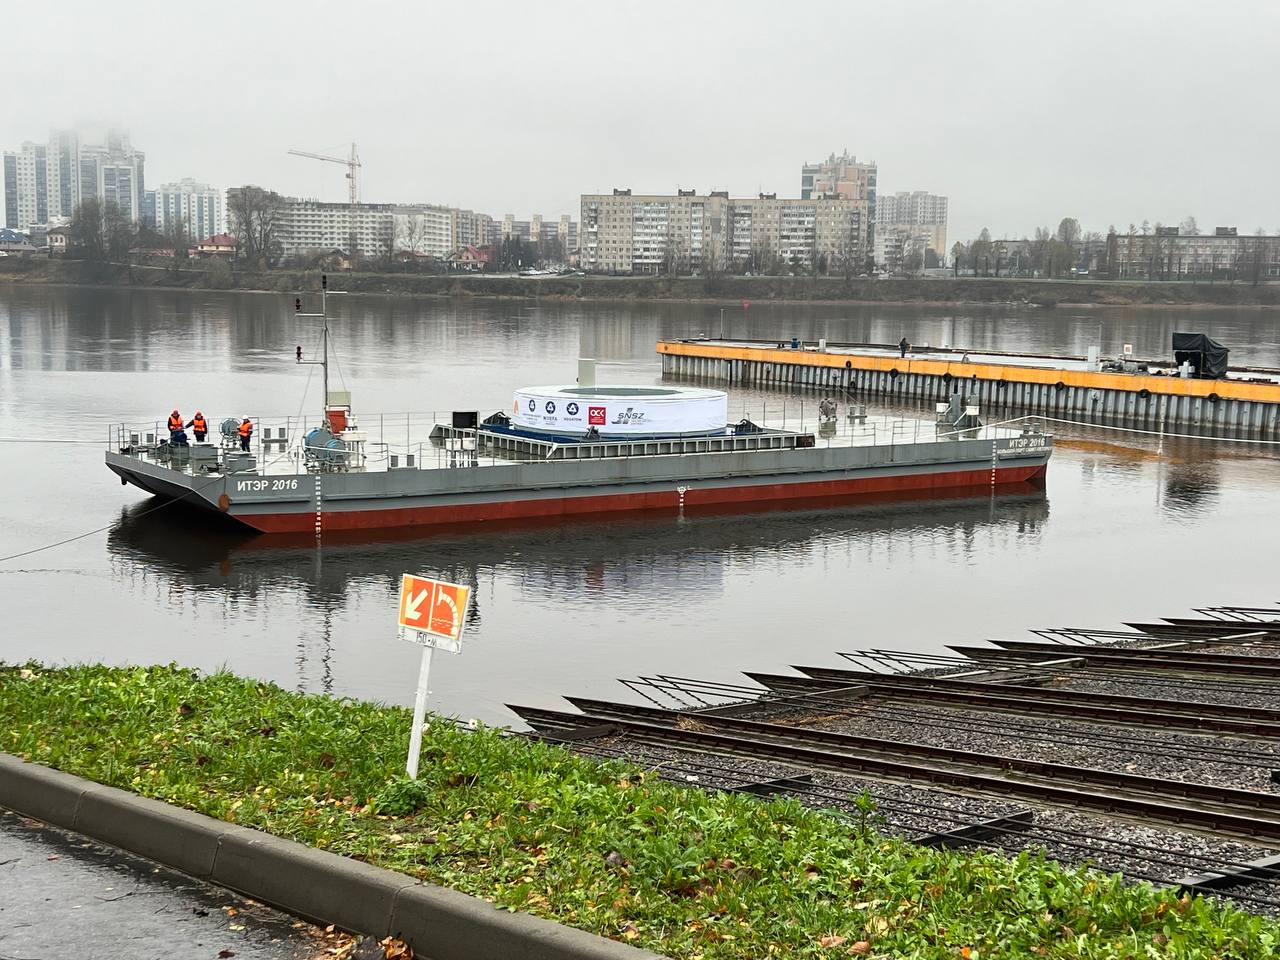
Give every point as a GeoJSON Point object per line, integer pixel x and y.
{"type": "Point", "coordinates": [246, 433]}
{"type": "Point", "coordinates": [903, 347]}
{"type": "Point", "coordinates": [175, 426]}
{"type": "Point", "coordinates": [199, 426]}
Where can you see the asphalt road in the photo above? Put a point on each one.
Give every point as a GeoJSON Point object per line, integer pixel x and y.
{"type": "Point", "coordinates": [62, 895]}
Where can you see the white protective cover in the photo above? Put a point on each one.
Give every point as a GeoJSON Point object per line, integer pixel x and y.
{"type": "Point", "coordinates": [620, 411]}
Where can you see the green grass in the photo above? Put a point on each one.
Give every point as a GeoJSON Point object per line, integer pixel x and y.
{"type": "Point", "coordinates": [604, 847]}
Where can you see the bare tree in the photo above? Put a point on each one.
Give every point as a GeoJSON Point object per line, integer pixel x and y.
{"type": "Point", "coordinates": [673, 254]}
{"type": "Point", "coordinates": [178, 238]}
{"type": "Point", "coordinates": [410, 232]}
{"type": "Point", "coordinates": [1069, 231]}
{"type": "Point", "coordinates": [102, 231]}
{"type": "Point", "coordinates": [1189, 227]}
{"type": "Point", "coordinates": [957, 253]}
{"type": "Point", "coordinates": [849, 249]}
{"type": "Point", "coordinates": [980, 251]}
{"type": "Point", "coordinates": [255, 216]}
{"type": "Point", "coordinates": [87, 233]}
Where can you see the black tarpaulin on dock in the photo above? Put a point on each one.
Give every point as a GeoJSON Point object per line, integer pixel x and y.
{"type": "Point", "coordinates": [1207, 355]}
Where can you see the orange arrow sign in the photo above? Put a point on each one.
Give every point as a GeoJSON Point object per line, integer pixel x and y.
{"type": "Point", "coordinates": [434, 608]}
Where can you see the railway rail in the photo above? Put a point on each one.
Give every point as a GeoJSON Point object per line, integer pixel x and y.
{"type": "Point", "coordinates": [1032, 701]}
{"type": "Point", "coordinates": [1244, 814]}
{"type": "Point", "coordinates": [780, 729]}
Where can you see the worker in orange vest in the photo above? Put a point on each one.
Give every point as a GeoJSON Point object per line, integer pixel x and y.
{"type": "Point", "coordinates": [175, 425]}
{"type": "Point", "coordinates": [246, 433]}
{"type": "Point", "coordinates": [199, 426]}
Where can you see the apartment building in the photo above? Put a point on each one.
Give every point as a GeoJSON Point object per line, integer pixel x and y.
{"type": "Point", "coordinates": [471, 229]}
{"type": "Point", "coordinates": [10, 160]}
{"type": "Point", "coordinates": [423, 229]}
{"type": "Point", "coordinates": [659, 233]}
{"type": "Point", "coordinates": [26, 186]}
{"type": "Point", "coordinates": [842, 176]}
{"type": "Point", "coordinates": [913, 214]}
{"type": "Point", "coordinates": [539, 228]}
{"type": "Point", "coordinates": [197, 206]}
{"type": "Point", "coordinates": [46, 181]}
{"type": "Point", "coordinates": [307, 227]}
{"type": "Point", "coordinates": [1169, 254]}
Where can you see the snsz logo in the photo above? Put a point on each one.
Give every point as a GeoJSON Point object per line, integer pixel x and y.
{"type": "Point", "coordinates": [628, 416]}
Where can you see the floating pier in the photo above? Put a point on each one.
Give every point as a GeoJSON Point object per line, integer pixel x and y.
{"type": "Point", "coordinates": [1244, 404]}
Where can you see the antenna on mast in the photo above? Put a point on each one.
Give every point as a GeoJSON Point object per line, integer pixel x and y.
{"type": "Point", "coordinates": [323, 317]}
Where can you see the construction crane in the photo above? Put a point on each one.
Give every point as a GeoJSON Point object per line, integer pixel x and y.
{"type": "Point", "coordinates": [352, 163]}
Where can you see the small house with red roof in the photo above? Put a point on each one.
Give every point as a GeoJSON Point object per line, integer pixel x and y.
{"type": "Point", "coordinates": [219, 245]}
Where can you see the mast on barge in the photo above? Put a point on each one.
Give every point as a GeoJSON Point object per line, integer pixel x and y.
{"type": "Point", "coordinates": [337, 443]}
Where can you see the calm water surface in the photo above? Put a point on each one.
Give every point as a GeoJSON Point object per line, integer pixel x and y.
{"type": "Point", "coordinates": [1123, 530]}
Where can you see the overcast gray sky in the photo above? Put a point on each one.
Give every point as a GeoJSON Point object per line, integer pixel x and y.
{"type": "Point", "coordinates": [1020, 112]}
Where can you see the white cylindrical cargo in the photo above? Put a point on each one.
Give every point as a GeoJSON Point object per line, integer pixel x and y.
{"type": "Point", "coordinates": [620, 411]}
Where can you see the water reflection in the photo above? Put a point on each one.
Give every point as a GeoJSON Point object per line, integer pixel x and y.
{"type": "Point", "coordinates": [1192, 487]}
{"type": "Point", "coordinates": [207, 569]}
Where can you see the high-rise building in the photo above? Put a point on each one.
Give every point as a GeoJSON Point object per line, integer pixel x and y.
{"type": "Point", "coordinates": [10, 190]}
{"type": "Point", "coordinates": [842, 176]}
{"type": "Point", "coordinates": [47, 181]}
{"type": "Point", "coordinates": [64, 166]}
{"type": "Point", "coordinates": [113, 173]}
{"type": "Point", "coordinates": [656, 233]}
{"type": "Point", "coordinates": [197, 206]}
{"type": "Point", "coordinates": [26, 186]}
{"type": "Point", "coordinates": [916, 213]}
{"type": "Point", "coordinates": [471, 229]}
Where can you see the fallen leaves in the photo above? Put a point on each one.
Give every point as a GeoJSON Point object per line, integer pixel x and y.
{"type": "Point", "coordinates": [831, 940]}
{"type": "Point", "coordinates": [393, 949]}
{"type": "Point", "coordinates": [861, 947]}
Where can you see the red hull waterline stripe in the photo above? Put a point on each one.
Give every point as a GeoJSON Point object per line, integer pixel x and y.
{"type": "Point", "coordinates": [668, 499]}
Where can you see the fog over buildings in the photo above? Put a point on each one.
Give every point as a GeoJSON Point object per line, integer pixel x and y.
{"type": "Point", "coordinates": [1020, 113]}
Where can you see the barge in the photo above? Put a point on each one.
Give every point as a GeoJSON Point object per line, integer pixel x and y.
{"type": "Point", "coordinates": [561, 451]}
{"type": "Point", "coordinates": [1159, 395]}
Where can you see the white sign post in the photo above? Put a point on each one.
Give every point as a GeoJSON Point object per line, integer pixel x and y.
{"type": "Point", "coordinates": [431, 613]}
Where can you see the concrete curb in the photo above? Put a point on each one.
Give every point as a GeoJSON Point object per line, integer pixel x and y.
{"type": "Point", "coordinates": [437, 922]}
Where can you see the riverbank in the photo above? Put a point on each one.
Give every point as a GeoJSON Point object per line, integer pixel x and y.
{"type": "Point", "coordinates": [604, 847]}
{"type": "Point", "coordinates": [725, 289]}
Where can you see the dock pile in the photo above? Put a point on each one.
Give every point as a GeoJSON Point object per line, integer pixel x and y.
{"type": "Point", "coordinates": [1149, 751]}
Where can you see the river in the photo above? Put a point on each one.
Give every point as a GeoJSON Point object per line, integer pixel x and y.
{"type": "Point", "coordinates": [1126, 528]}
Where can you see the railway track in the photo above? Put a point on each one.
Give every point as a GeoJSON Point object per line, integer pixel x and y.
{"type": "Point", "coordinates": [1196, 697]}
{"type": "Point", "coordinates": [1129, 660]}
{"type": "Point", "coordinates": [1030, 701]}
{"type": "Point", "coordinates": [1243, 814]}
